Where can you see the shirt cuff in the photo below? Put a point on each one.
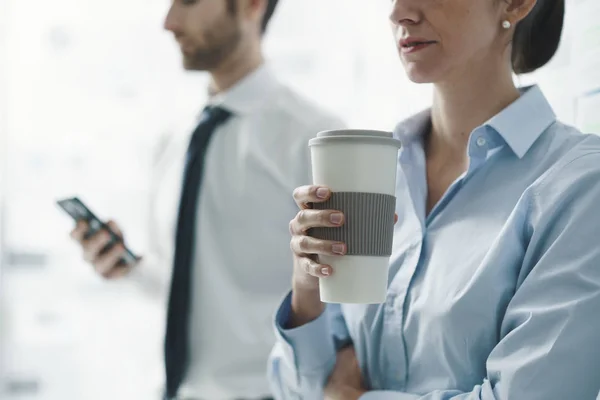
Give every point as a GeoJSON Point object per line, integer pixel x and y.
{"type": "Point", "coordinates": [310, 347]}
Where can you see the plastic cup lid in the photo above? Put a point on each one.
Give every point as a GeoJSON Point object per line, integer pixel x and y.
{"type": "Point", "coordinates": [355, 136]}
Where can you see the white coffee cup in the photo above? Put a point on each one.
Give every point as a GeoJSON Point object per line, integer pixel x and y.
{"type": "Point", "coordinates": [359, 166]}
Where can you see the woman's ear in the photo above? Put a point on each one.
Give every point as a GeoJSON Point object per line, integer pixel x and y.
{"type": "Point", "coordinates": [518, 10]}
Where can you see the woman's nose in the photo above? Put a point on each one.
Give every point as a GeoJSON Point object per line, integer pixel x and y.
{"type": "Point", "coordinates": [405, 12]}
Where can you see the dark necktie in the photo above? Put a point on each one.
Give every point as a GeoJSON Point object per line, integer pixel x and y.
{"type": "Point", "coordinates": [177, 332]}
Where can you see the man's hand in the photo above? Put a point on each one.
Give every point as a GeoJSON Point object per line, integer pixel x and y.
{"type": "Point", "coordinates": [345, 382]}
{"type": "Point", "coordinates": [106, 261]}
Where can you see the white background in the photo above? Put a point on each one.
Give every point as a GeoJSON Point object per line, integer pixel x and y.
{"type": "Point", "coordinates": [86, 89]}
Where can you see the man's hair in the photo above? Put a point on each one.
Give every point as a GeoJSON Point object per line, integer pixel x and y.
{"type": "Point", "coordinates": [271, 5]}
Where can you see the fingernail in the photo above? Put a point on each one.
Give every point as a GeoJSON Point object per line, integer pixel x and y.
{"type": "Point", "coordinates": [322, 193]}
{"type": "Point", "coordinates": [336, 218]}
{"type": "Point", "coordinates": [338, 248]}
{"type": "Point", "coordinates": [325, 271]}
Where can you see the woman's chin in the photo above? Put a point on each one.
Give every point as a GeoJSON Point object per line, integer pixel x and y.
{"type": "Point", "coordinates": [418, 74]}
{"type": "Point", "coordinates": [416, 77]}
{"type": "Point", "coordinates": [419, 79]}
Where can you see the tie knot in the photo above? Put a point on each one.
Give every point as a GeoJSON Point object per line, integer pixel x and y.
{"type": "Point", "coordinates": [217, 114]}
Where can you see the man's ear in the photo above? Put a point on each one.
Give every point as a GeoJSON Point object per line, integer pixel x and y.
{"type": "Point", "coordinates": [254, 9]}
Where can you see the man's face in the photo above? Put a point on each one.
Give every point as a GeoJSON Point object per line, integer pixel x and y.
{"type": "Point", "coordinates": [207, 31]}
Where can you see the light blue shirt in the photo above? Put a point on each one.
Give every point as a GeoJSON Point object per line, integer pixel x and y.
{"type": "Point", "coordinates": [493, 295]}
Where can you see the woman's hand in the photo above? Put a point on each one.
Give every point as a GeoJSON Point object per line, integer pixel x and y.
{"type": "Point", "coordinates": [306, 303]}
{"type": "Point", "coordinates": [345, 382]}
{"type": "Point", "coordinates": [336, 392]}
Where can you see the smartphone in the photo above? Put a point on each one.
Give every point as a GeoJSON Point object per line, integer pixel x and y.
{"type": "Point", "coordinates": [79, 211]}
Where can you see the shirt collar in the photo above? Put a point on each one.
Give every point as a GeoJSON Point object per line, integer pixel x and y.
{"type": "Point", "coordinates": [519, 125]}
{"type": "Point", "coordinates": [250, 93]}
{"type": "Point", "coordinates": [413, 128]}
{"type": "Point", "coordinates": [522, 123]}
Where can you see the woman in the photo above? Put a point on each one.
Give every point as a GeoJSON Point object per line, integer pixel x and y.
{"type": "Point", "coordinates": [494, 289]}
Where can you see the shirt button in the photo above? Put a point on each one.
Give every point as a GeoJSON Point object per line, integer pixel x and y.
{"type": "Point", "coordinates": [481, 141]}
{"type": "Point", "coordinates": [390, 300]}
{"type": "Point", "coordinates": [398, 303]}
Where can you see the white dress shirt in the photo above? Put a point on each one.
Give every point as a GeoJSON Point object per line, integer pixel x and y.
{"type": "Point", "coordinates": [242, 262]}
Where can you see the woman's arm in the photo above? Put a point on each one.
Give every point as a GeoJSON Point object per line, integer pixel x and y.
{"type": "Point", "coordinates": [304, 357]}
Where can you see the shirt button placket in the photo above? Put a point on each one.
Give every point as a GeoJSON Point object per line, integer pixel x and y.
{"type": "Point", "coordinates": [394, 351]}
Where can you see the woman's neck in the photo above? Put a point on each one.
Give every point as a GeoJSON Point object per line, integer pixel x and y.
{"type": "Point", "coordinates": [465, 103]}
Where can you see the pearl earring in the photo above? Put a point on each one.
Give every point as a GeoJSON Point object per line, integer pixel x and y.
{"type": "Point", "coordinates": [506, 24]}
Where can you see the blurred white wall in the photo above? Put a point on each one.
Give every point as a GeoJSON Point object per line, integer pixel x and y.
{"type": "Point", "coordinates": [3, 135]}
{"type": "Point", "coordinates": [86, 89]}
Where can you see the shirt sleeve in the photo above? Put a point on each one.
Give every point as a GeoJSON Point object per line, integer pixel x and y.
{"type": "Point", "coordinates": [153, 274]}
{"type": "Point", "coordinates": [303, 357]}
{"type": "Point", "coordinates": [550, 334]}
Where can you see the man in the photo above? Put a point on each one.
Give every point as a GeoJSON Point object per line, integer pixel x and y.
{"type": "Point", "coordinates": [232, 183]}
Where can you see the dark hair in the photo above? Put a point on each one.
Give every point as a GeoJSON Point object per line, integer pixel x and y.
{"type": "Point", "coordinates": [537, 37]}
{"type": "Point", "coordinates": [268, 14]}
{"type": "Point", "coordinates": [271, 5]}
